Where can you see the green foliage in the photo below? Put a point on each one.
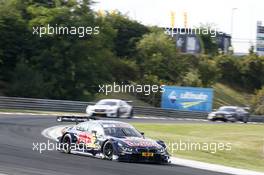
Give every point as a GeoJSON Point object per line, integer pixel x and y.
{"type": "Point", "coordinates": [247, 72]}
{"type": "Point", "coordinates": [192, 78]}
{"type": "Point", "coordinates": [124, 71]}
{"type": "Point", "coordinates": [67, 66]}
{"type": "Point", "coordinates": [157, 55]}
{"type": "Point", "coordinates": [154, 97]}
{"type": "Point", "coordinates": [12, 26]}
{"type": "Point", "coordinates": [125, 51]}
{"type": "Point", "coordinates": [208, 71]}
{"type": "Point", "coordinates": [252, 70]}
{"type": "Point", "coordinates": [229, 67]}
{"type": "Point", "coordinates": [27, 82]}
{"type": "Point", "coordinates": [258, 102]}
{"type": "Point", "coordinates": [129, 32]}
{"type": "Point", "coordinates": [225, 95]}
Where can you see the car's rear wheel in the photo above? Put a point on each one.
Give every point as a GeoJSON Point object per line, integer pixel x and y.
{"type": "Point", "coordinates": [108, 150]}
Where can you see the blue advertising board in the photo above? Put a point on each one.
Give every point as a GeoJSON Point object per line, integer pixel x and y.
{"type": "Point", "coordinates": [187, 98]}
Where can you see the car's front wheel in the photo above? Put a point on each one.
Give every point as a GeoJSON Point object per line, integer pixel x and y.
{"type": "Point", "coordinates": [131, 114]}
{"type": "Point", "coordinates": [245, 119]}
{"type": "Point", "coordinates": [66, 144]}
{"type": "Point", "coordinates": [108, 150]}
{"type": "Point", "coordinates": [117, 113]}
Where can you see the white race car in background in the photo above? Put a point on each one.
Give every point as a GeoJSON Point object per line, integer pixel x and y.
{"type": "Point", "coordinates": [110, 108]}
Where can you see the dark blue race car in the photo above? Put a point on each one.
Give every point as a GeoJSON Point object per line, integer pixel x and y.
{"type": "Point", "coordinates": [112, 140]}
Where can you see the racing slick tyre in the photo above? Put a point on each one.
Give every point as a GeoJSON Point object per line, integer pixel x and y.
{"type": "Point", "coordinates": [212, 120]}
{"type": "Point", "coordinates": [131, 114]}
{"type": "Point", "coordinates": [233, 120]}
{"type": "Point", "coordinates": [225, 120]}
{"type": "Point", "coordinates": [66, 144]}
{"type": "Point", "coordinates": [118, 113]}
{"type": "Point", "coordinates": [108, 150]}
{"type": "Point", "coordinates": [245, 119]}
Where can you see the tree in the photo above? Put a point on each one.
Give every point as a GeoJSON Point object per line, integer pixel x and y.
{"type": "Point", "coordinates": [252, 69]}
{"type": "Point", "coordinates": [229, 68]}
{"type": "Point", "coordinates": [208, 71]}
{"type": "Point", "coordinates": [157, 55]}
{"type": "Point", "coordinates": [27, 82]}
{"type": "Point", "coordinates": [12, 42]}
{"type": "Point", "coordinates": [129, 32]}
{"type": "Point", "coordinates": [70, 67]}
{"type": "Point", "coordinates": [258, 102]}
{"type": "Point", "coordinates": [192, 78]}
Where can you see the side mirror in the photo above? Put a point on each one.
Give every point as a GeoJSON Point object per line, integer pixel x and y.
{"type": "Point", "coordinates": [142, 133]}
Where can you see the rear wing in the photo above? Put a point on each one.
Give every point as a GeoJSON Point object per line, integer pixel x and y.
{"type": "Point", "coordinates": [72, 118]}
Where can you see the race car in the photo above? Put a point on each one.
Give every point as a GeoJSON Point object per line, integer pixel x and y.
{"type": "Point", "coordinates": [230, 113]}
{"type": "Point", "coordinates": [112, 140]}
{"type": "Point", "coordinates": [110, 108]}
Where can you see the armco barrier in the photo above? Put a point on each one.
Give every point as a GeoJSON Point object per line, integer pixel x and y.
{"type": "Point", "coordinates": [42, 104]}
{"type": "Point", "coordinates": [80, 106]}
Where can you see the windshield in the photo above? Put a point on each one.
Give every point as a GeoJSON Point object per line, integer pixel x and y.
{"type": "Point", "coordinates": [121, 132]}
{"type": "Point", "coordinates": [228, 109]}
{"type": "Point", "coordinates": [110, 103]}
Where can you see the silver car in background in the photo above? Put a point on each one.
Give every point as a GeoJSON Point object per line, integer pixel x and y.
{"type": "Point", "coordinates": [110, 108]}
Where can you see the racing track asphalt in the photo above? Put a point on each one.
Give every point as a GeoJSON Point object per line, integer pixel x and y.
{"type": "Point", "coordinates": [17, 134]}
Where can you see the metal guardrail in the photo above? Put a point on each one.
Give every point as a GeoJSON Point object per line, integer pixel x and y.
{"type": "Point", "coordinates": [42, 104]}
{"type": "Point", "coordinates": [80, 106]}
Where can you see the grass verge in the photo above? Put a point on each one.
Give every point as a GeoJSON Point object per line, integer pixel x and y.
{"type": "Point", "coordinates": [247, 142]}
{"type": "Point", "coordinates": [225, 95]}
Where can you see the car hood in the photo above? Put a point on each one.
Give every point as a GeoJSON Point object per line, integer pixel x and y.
{"type": "Point", "coordinates": [102, 107]}
{"type": "Point", "coordinates": [222, 112]}
{"type": "Point", "coordinates": [139, 142]}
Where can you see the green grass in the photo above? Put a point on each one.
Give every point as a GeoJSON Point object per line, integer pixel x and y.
{"type": "Point", "coordinates": [225, 95]}
{"type": "Point", "coordinates": [247, 142]}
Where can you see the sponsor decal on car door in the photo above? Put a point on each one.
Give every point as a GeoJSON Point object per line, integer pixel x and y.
{"type": "Point", "coordinates": [87, 139]}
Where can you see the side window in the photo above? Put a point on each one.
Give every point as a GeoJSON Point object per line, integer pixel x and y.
{"type": "Point", "coordinates": [83, 126]}
{"type": "Point", "coordinates": [98, 128]}
{"type": "Point", "coordinates": [123, 103]}
{"type": "Point", "coordinates": [241, 110]}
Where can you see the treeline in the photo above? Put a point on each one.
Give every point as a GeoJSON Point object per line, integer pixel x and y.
{"type": "Point", "coordinates": [63, 66]}
{"type": "Point", "coordinates": [125, 51]}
